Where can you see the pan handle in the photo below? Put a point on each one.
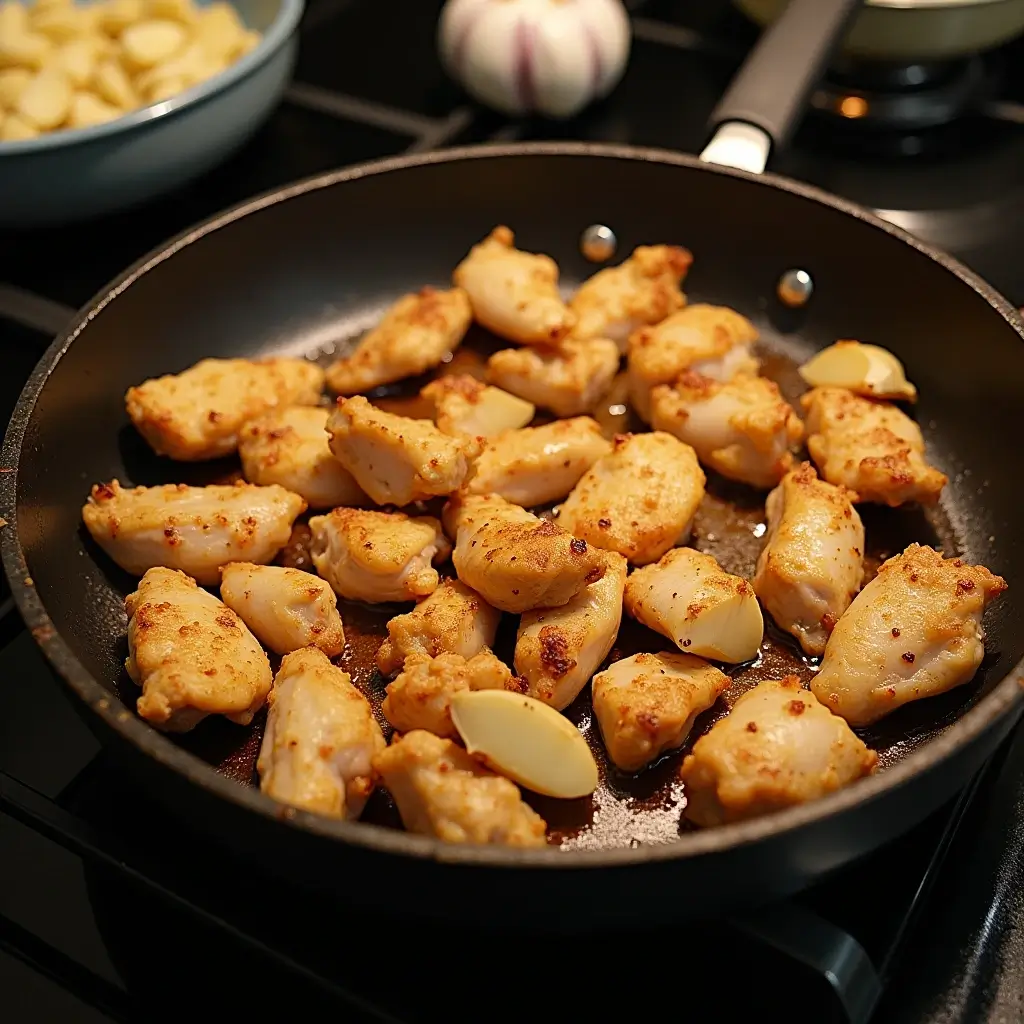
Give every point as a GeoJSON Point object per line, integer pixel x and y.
{"type": "Point", "coordinates": [766, 99]}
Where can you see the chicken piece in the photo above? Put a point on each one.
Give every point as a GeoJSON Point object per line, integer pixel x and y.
{"type": "Point", "coordinates": [639, 499]}
{"type": "Point", "coordinates": [813, 559]}
{"type": "Point", "coordinates": [777, 747]}
{"type": "Point", "coordinates": [195, 529]}
{"type": "Point", "coordinates": [647, 704]}
{"type": "Point", "coordinates": [567, 380]}
{"type": "Point", "coordinates": [714, 341]}
{"type": "Point", "coordinates": [452, 620]}
{"type": "Point", "coordinates": [397, 460]}
{"type": "Point", "coordinates": [320, 740]}
{"type": "Point", "coordinates": [514, 293]}
{"type": "Point", "coordinates": [559, 649]}
{"type": "Point", "coordinates": [642, 290]}
{"type": "Point", "coordinates": [689, 598]}
{"type": "Point", "coordinates": [465, 405]}
{"type": "Point", "coordinates": [413, 336]}
{"type": "Point", "coordinates": [191, 654]}
{"type": "Point", "coordinates": [441, 791]}
{"type": "Point", "coordinates": [537, 465]}
{"type": "Point", "coordinates": [289, 447]}
{"type": "Point", "coordinates": [515, 560]}
{"type": "Point", "coordinates": [198, 414]}
{"type": "Point", "coordinates": [914, 631]}
{"type": "Point", "coordinates": [869, 446]}
{"type": "Point", "coordinates": [286, 609]}
{"type": "Point", "coordinates": [743, 429]}
{"type": "Point", "coordinates": [420, 695]}
{"type": "Point", "coordinates": [378, 556]}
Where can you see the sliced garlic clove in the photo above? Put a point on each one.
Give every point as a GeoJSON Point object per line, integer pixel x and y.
{"type": "Point", "coordinates": [526, 741]}
{"type": "Point", "coordinates": [863, 369]}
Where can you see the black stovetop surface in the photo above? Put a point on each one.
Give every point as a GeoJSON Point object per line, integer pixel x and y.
{"type": "Point", "coordinates": [938, 916]}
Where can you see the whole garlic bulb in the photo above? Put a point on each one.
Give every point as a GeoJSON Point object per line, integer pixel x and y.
{"type": "Point", "coordinates": [535, 56]}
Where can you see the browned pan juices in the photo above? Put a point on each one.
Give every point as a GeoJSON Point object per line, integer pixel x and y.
{"type": "Point", "coordinates": [730, 524]}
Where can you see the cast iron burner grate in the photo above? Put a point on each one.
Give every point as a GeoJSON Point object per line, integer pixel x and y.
{"type": "Point", "coordinates": [906, 97]}
{"type": "Point", "coordinates": [150, 875]}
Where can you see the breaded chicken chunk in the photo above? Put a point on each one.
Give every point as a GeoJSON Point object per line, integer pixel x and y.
{"type": "Point", "coordinates": [465, 405]}
{"type": "Point", "coordinates": [643, 290]}
{"type": "Point", "coordinates": [191, 654]}
{"type": "Point", "coordinates": [638, 500]}
{"type": "Point", "coordinates": [320, 739]}
{"type": "Point", "coordinates": [441, 791]}
{"type": "Point", "coordinates": [515, 560]}
{"type": "Point", "coordinates": [289, 447]}
{"type": "Point", "coordinates": [568, 380]}
{"type": "Point", "coordinates": [395, 459]}
{"type": "Point", "coordinates": [197, 414]}
{"type": "Point", "coordinates": [776, 748]}
{"type": "Point", "coordinates": [914, 631]}
{"type": "Point", "coordinates": [514, 293]}
{"type": "Point", "coordinates": [416, 334]}
{"type": "Point", "coordinates": [195, 529]}
{"type": "Point", "coordinates": [451, 620]}
{"type": "Point", "coordinates": [869, 446]}
{"type": "Point", "coordinates": [537, 465]}
{"type": "Point", "coordinates": [378, 556]}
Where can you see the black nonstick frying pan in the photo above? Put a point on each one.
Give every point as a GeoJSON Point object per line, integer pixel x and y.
{"type": "Point", "coordinates": [306, 269]}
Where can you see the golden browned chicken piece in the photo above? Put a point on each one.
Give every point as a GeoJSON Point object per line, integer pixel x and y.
{"type": "Point", "coordinates": [515, 560]}
{"type": "Point", "coordinates": [452, 620]}
{"type": "Point", "coordinates": [441, 791]}
{"type": "Point", "coordinates": [420, 695]}
{"type": "Point", "coordinates": [702, 609]}
{"type": "Point", "coordinates": [871, 447]}
{"type": "Point", "coordinates": [914, 631]}
{"type": "Point", "coordinates": [642, 290]}
{"type": "Point", "coordinates": [465, 405]}
{"type": "Point", "coordinates": [289, 447]}
{"type": "Point", "coordinates": [320, 740]}
{"type": "Point", "coordinates": [537, 465]}
{"type": "Point", "coordinates": [514, 293]}
{"type": "Point", "coordinates": [647, 704]}
{"type": "Point", "coordinates": [198, 414]}
{"type": "Point", "coordinates": [813, 559]}
{"type": "Point", "coordinates": [195, 529]}
{"type": "Point", "coordinates": [776, 748]}
{"type": "Point", "coordinates": [743, 429]}
{"type": "Point", "coordinates": [568, 380]}
{"type": "Point", "coordinates": [639, 499]}
{"type": "Point", "coordinates": [191, 654]}
{"type": "Point", "coordinates": [559, 649]}
{"type": "Point", "coordinates": [286, 609]}
{"type": "Point", "coordinates": [712, 340]}
{"type": "Point", "coordinates": [378, 556]}
{"type": "Point", "coordinates": [413, 336]}
{"type": "Point", "coordinates": [397, 460]}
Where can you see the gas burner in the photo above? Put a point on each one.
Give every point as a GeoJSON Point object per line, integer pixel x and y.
{"type": "Point", "coordinates": [904, 97]}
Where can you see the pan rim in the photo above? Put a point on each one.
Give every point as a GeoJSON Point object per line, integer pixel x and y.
{"type": "Point", "coordinates": [1007, 694]}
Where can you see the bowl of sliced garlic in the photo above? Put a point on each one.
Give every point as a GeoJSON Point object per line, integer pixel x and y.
{"type": "Point", "coordinates": [107, 103]}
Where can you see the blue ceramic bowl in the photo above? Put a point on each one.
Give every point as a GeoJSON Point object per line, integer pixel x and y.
{"type": "Point", "coordinates": [83, 172]}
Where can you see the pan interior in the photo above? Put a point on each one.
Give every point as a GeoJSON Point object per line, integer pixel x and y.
{"type": "Point", "coordinates": [307, 275]}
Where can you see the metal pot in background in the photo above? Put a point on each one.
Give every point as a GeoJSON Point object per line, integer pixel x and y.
{"type": "Point", "coordinates": [916, 31]}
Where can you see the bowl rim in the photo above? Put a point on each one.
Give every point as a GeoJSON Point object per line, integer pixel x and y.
{"type": "Point", "coordinates": [280, 29]}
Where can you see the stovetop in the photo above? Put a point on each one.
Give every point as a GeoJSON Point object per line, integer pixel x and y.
{"type": "Point", "coordinates": [110, 911]}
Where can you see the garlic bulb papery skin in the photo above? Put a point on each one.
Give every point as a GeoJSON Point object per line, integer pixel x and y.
{"type": "Point", "coordinates": [550, 57]}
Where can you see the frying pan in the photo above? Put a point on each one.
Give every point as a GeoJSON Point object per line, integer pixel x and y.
{"type": "Point", "coordinates": [306, 268]}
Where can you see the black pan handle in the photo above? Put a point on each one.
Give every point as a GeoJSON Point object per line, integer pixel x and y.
{"type": "Point", "coordinates": [766, 99]}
